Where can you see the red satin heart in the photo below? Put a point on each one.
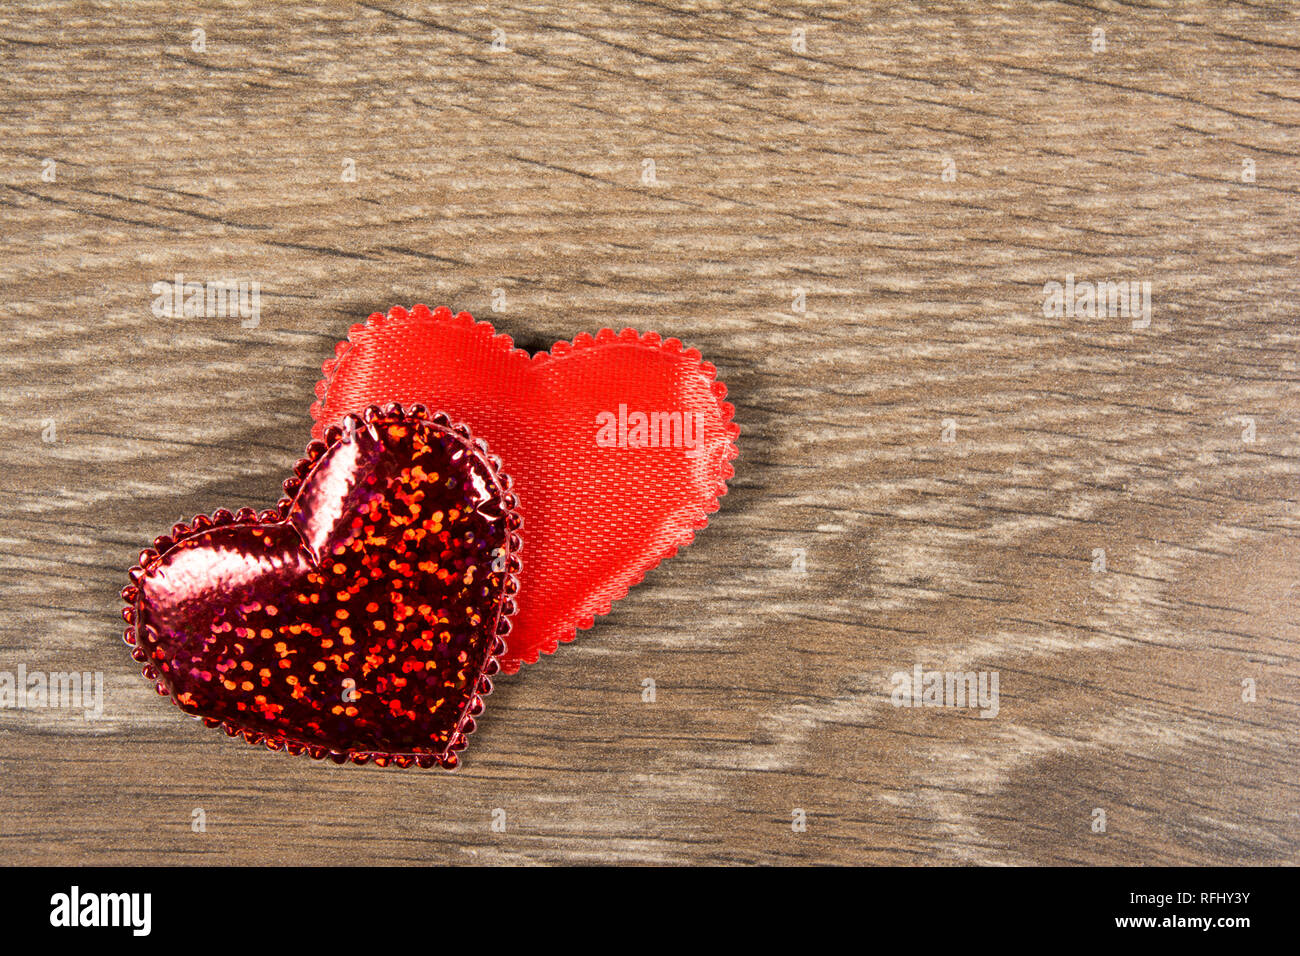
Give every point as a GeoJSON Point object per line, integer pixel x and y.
{"type": "Point", "coordinates": [598, 518]}
{"type": "Point", "coordinates": [361, 618]}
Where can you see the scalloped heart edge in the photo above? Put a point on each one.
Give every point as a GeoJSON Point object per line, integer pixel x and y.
{"type": "Point", "coordinates": [448, 759]}
{"type": "Point", "coordinates": [502, 342]}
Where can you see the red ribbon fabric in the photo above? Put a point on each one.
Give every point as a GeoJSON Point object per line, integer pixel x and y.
{"type": "Point", "coordinates": [619, 446]}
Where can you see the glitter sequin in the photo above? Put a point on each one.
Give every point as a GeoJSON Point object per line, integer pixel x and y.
{"type": "Point", "coordinates": [359, 620]}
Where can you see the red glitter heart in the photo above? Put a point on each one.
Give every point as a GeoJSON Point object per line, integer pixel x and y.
{"type": "Point", "coordinates": [600, 514]}
{"type": "Point", "coordinates": [361, 618]}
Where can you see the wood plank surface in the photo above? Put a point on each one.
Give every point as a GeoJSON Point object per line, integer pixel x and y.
{"type": "Point", "coordinates": [857, 223]}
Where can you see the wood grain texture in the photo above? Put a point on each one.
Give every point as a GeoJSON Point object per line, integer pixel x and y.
{"type": "Point", "coordinates": [776, 170]}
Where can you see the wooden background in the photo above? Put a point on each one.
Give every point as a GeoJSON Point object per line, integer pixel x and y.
{"type": "Point", "coordinates": [522, 170]}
